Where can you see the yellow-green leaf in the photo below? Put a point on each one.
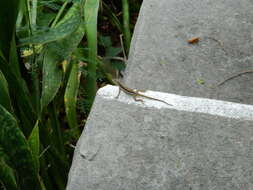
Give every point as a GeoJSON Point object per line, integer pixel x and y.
{"type": "Point", "coordinates": [70, 96]}
{"type": "Point", "coordinates": [34, 142]}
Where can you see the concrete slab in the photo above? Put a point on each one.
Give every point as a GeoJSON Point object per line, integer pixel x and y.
{"type": "Point", "coordinates": [196, 144]}
{"type": "Point", "coordinates": [161, 59]}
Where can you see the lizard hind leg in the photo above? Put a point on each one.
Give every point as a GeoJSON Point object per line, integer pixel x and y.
{"type": "Point", "coordinates": [118, 93]}
{"type": "Point", "coordinates": [138, 99]}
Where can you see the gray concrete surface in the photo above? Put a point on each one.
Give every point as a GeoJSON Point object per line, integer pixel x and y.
{"type": "Point", "coordinates": [197, 144]}
{"type": "Point", "coordinates": [162, 60]}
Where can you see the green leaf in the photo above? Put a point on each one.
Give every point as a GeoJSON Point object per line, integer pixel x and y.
{"type": "Point", "coordinates": [105, 41]}
{"type": "Point", "coordinates": [18, 92]}
{"type": "Point", "coordinates": [9, 60]}
{"type": "Point", "coordinates": [7, 176]}
{"type": "Point", "coordinates": [70, 96]}
{"type": "Point", "coordinates": [13, 57]}
{"type": "Point", "coordinates": [45, 18]}
{"type": "Point", "coordinates": [64, 48]}
{"type": "Point", "coordinates": [119, 65]}
{"type": "Point", "coordinates": [17, 149]}
{"type": "Point", "coordinates": [8, 15]}
{"type": "Point", "coordinates": [2, 56]}
{"type": "Point", "coordinates": [5, 100]}
{"type": "Point", "coordinates": [110, 51]}
{"type": "Point", "coordinates": [52, 76]}
{"type": "Point", "coordinates": [55, 54]}
{"type": "Point", "coordinates": [70, 23]}
{"type": "Point", "coordinates": [50, 4]}
{"type": "Point", "coordinates": [34, 142]}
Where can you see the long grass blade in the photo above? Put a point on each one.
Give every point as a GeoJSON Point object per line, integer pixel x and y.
{"type": "Point", "coordinates": [90, 14]}
{"type": "Point", "coordinates": [126, 28]}
{"type": "Point", "coordinates": [112, 17]}
{"type": "Point", "coordinates": [70, 97]}
{"type": "Point", "coordinates": [34, 142]}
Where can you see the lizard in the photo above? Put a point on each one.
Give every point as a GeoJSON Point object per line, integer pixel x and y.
{"type": "Point", "coordinates": [135, 93]}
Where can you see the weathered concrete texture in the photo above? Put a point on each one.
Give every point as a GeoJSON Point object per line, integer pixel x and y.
{"type": "Point", "coordinates": [196, 144]}
{"type": "Point", "coordinates": [162, 60]}
{"type": "Point", "coordinates": [132, 147]}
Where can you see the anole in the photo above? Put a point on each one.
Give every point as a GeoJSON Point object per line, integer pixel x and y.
{"type": "Point", "coordinates": [135, 93]}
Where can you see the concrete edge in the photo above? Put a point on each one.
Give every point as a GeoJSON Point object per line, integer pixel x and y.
{"type": "Point", "coordinates": [182, 103]}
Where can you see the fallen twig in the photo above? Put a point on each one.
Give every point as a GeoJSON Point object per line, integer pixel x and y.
{"type": "Point", "coordinates": [234, 76]}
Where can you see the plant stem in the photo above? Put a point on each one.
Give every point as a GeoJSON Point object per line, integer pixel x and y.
{"type": "Point", "coordinates": [126, 28]}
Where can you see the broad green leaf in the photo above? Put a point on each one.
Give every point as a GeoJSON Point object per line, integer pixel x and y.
{"type": "Point", "coordinates": [50, 4]}
{"type": "Point", "coordinates": [17, 149]}
{"type": "Point", "coordinates": [34, 142]}
{"type": "Point", "coordinates": [70, 96]}
{"type": "Point", "coordinates": [44, 19]}
{"type": "Point", "coordinates": [18, 91]}
{"type": "Point", "coordinates": [7, 176]}
{"type": "Point", "coordinates": [65, 27]}
{"type": "Point", "coordinates": [8, 60]}
{"type": "Point", "coordinates": [52, 76]}
{"type": "Point", "coordinates": [5, 100]}
{"type": "Point", "coordinates": [56, 54]}
{"type": "Point", "coordinates": [8, 15]}
{"type": "Point", "coordinates": [64, 48]}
